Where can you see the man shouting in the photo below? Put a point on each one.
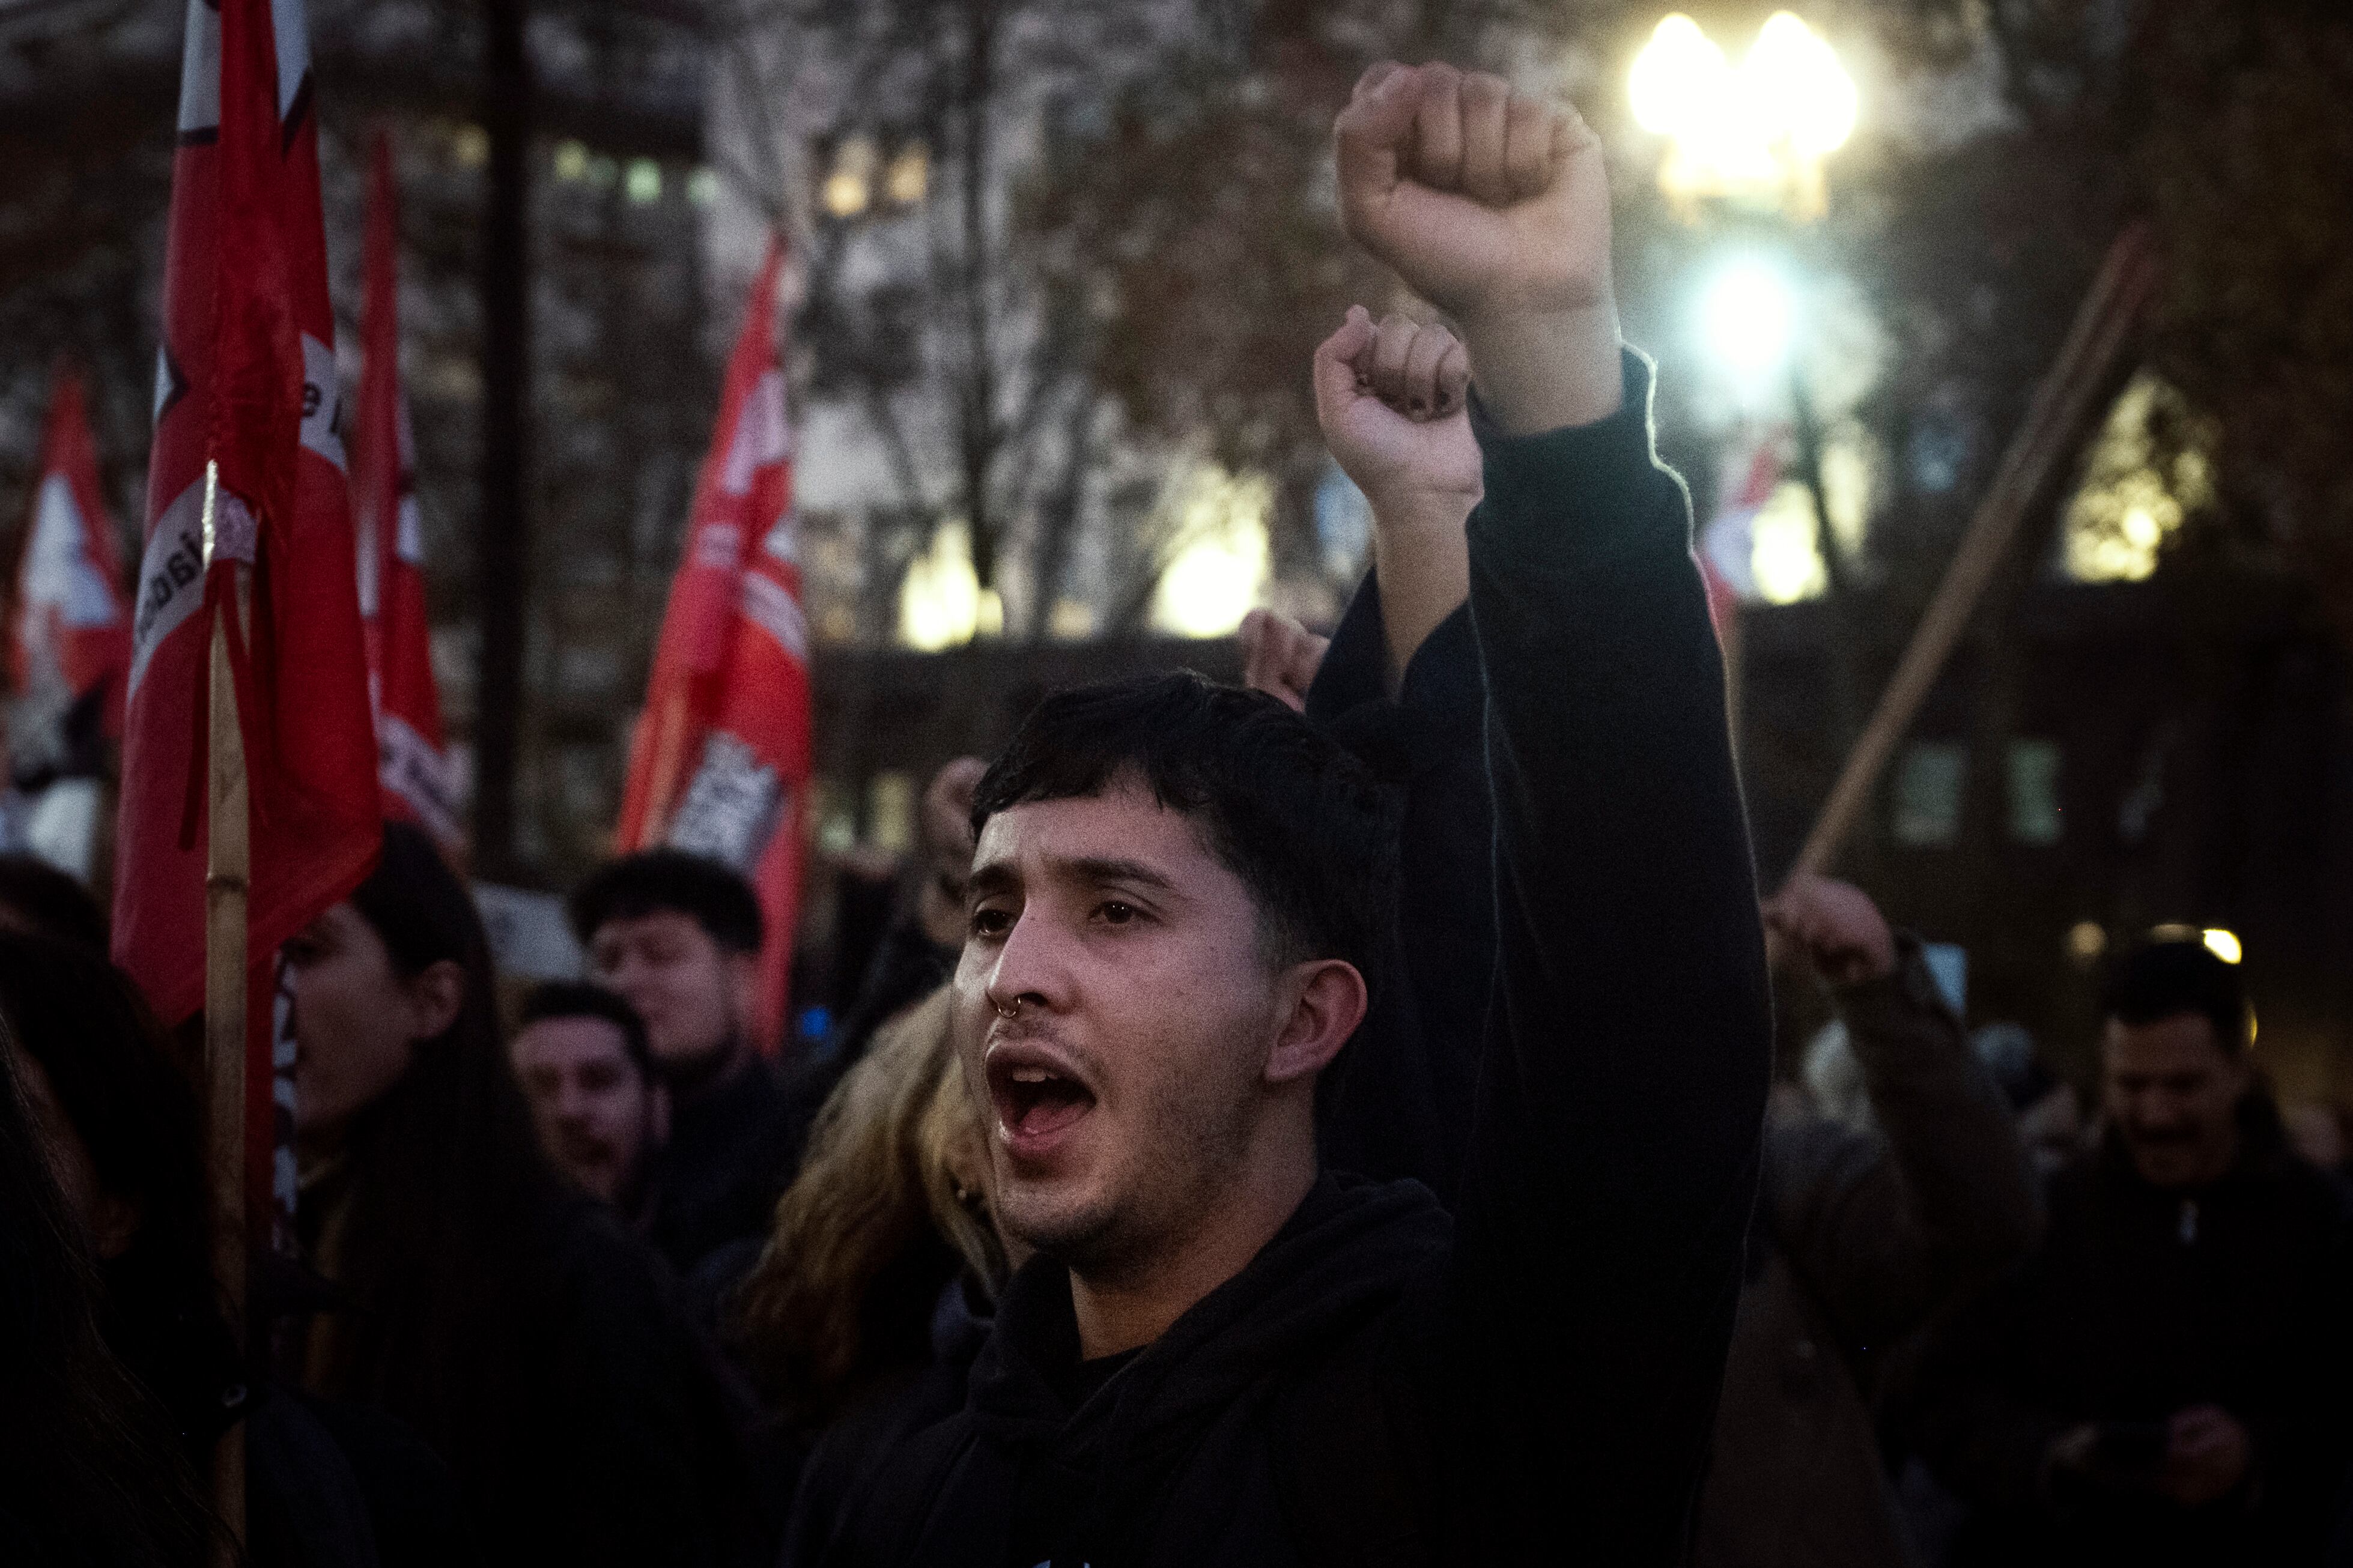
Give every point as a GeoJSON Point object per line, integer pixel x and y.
{"type": "Point", "coordinates": [1221, 1353]}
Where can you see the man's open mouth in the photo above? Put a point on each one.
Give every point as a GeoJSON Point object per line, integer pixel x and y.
{"type": "Point", "coordinates": [1033, 1099]}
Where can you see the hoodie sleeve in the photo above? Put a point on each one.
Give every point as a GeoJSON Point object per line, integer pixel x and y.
{"type": "Point", "coordinates": [1886, 1229]}
{"type": "Point", "coordinates": [1614, 1148]}
{"type": "Point", "coordinates": [1397, 1104]}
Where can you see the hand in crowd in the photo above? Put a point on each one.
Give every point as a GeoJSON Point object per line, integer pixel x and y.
{"type": "Point", "coordinates": [1494, 206]}
{"type": "Point", "coordinates": [1280, 657]}
{"type": "Point", "coordinates": [1836, 926]}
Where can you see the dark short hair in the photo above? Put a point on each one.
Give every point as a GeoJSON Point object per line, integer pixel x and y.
{"type": "Point", "coordinates": [579, 999]}
{"type": "Point", "coordinates": [417, 904]}
{"type": "Point", "coordinates": [38, 898]}
{"type": "Point", "coordinates": [654, 881]}
{"type": "Point", "coordinates": [1304, 823]}
{"type": "Point", "coordinates": [2175, 978]}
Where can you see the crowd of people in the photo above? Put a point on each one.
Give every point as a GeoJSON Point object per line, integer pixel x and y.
{"type": "Point", "coordinates": [1334, 1121]}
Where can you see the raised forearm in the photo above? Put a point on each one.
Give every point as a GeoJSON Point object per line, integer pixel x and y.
{"type": "Point", "coordinates": [1423, 568]}
{"type": "Point", "coordinates": [1971, 1204]}
{"type": "Point", "coordinates": [1545, 371]}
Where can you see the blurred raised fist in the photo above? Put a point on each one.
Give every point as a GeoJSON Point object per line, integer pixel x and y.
{"type": "Point", "coordinates": [1392, 400]}
{"type": "Point", "coordinates": [1837, 927]}
{"type": "Point", "coordinates": [1280, 657]}
{"type": "Point", "coordinates": [1490, 203]}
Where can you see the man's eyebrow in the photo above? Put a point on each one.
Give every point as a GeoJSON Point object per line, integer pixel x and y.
{"type": "Point", "coordinates": [993, 877]}
{"type": "Point", "coordinates": [1101, 868]}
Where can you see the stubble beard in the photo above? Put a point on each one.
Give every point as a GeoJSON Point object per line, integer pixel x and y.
{"type": "Point", "coordinates": [1157, 1193]}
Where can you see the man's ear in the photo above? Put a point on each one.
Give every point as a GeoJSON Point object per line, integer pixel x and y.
{"type": "Point", "coordinates": [435, 995]}
{"type": "Point", "coordinates": [1326, 1002]}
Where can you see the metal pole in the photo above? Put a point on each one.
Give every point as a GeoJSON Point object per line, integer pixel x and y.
{"type": "Point", "coordinates": [505, 549]}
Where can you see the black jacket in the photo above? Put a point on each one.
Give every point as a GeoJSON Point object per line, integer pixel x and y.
{"type": "Point", "coordinates": [1537, 1378]}
{"type": "Point", "coordinates": [2140, 1304]}
{"type": "Point", "coordinates": [622, 1447]}
{"type": "Point", "coordinates": [731, 1151]}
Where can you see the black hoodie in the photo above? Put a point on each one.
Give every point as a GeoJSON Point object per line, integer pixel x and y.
{"type": "Point", "coordinates": [1537, 1381]}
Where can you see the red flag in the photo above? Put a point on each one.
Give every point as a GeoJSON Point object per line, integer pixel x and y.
{"type": "Point", "coordinates": [720, 764]}
{"type": "Point", "coordinates": [412, 765]}
{"type": "Point", "coordinates": [72, 642]}
{"type": "Point", "coordinates": [247, 378]}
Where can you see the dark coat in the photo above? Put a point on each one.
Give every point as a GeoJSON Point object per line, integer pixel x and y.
{"type": "Point", "coordinates": [2141, 1302]}
{"type": "Point", "coordinates": [627, 1450]}
{"type": "Point", "coordinates": [1860, 1237]}
{"type": "Point", "coordinates": [731, 1151]}
{"type": "Point", "coordinates": [1538, 1376]}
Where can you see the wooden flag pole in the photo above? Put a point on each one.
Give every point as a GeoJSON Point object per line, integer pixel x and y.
{"type": "Point", "coordinates": [2069, 398]}
{"type": "Point", "coordinates": [227, 868]}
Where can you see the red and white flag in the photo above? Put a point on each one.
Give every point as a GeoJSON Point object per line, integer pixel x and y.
{"type": "Point", "coordinates": [246, 378]}
{"type": "Point", "coordinates": [412, 761]}
{"type": "Point", "coordinates": [72, 641]}
{"type": "Point", "coordinates": [1727, 543]}
{"type": "Point", "coordinates": [720, 763]}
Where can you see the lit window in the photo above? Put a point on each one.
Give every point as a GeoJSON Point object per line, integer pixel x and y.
{"type": "Point", "coordinates": [1927, 802]}
{"type": "Point", "coordinates": [908, 177]}
{"type": "Point", "coordinates": [2034, 793]}
{"type": "Point", "coordinates": [1221, 558]}
{"type": "Point", "coordinates": [890, 813]}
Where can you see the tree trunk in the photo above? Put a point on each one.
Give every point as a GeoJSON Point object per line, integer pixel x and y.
{"type": "Point", "coordinates": [978, 435]}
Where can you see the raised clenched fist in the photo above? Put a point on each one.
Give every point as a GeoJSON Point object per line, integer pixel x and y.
{"type": "Point", "coordinates": [1392, 400]}
{"type": "Point", "coordinates": [1490, 203]}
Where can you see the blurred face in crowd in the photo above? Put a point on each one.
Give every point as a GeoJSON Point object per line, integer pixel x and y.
{"type": "Point", "coordinates": [2172, 1092]}
{"type": "Point", "coordinates": [357, 1020]}
{"type": "Point", "coordinates": [597, 1116]}
{"type": "Point", "coordinates": [1133, 1086]}
{"type": "Point", "coordinates": [693, 993]}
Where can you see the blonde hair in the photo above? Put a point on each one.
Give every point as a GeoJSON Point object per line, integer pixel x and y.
{"type": "Point", "coordinates": [892, 1198]}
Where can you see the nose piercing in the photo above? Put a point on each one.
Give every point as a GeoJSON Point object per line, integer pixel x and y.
{"type": "Point", "coordinates": [1003, 1011]}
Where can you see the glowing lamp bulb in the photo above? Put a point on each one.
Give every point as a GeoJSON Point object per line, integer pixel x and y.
{"type": "Point", "coordinates": [1746, 315]}
{"type": "Point", "coordinates": [1679, 80]}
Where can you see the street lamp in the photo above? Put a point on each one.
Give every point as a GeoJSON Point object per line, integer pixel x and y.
{"type": "Point", "coordinates": [1748, 144]}
{"type": "Point", "coordinates": [1755, 135]}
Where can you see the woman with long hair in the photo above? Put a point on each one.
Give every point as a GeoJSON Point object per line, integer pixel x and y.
{"type": "Point", "coordinates": [880, 1278]}
{"type": "Point", "coordinates": [126, 1123]}
{"type": "Point", "coordinates": [89, 1473]}
{"type": "Point", "coordinates": [511, 1322]}
{"type": "Point", "coordinates": [326, 1484]}
{"type": "Point", "coordinates": [890, 1211]}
